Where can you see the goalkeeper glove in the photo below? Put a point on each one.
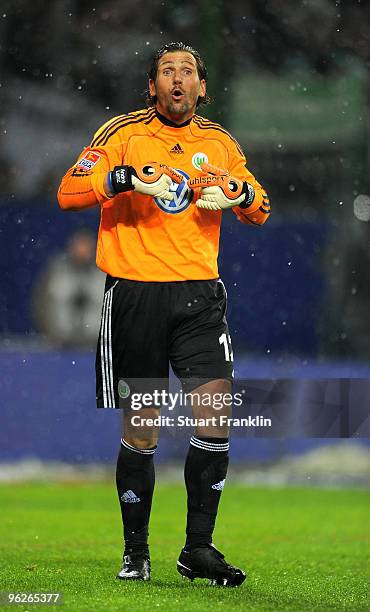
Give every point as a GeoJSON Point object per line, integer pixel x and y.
{"type": "Point", "coordinates": [152, 179]}
{"type": "Point", "coordinates": [220, 190]}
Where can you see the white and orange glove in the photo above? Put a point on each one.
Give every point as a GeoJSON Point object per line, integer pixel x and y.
{"type": "Point", "coordinates": [220, 190]}
{"type": "Point", "coordinates": [152, 179]}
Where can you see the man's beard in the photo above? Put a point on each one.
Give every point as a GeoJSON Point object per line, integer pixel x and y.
{"type": "Point", "coordinates": [177, 109]}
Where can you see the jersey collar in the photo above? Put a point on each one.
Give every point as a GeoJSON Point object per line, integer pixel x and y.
{"type": "Point", "coordinates": [170, 123]}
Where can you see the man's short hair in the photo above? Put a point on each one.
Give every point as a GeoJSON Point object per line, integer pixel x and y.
{"type": "Point", "coordinates": [170, 48]}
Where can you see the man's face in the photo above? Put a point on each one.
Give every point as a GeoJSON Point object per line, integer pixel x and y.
{"type": "Point", "coordinates": [177, 86]}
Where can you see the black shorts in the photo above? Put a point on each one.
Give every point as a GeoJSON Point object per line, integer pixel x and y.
{"type": "Point", "coordinates": [147, 325]}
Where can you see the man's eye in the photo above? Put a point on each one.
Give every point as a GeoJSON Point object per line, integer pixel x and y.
{"type": "Point", "coordinates": [166, 72]}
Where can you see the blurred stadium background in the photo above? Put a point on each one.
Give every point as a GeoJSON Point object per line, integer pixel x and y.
{"type": "Point", "coordinates": [290, 81]}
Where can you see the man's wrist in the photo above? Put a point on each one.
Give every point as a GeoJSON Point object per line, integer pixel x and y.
{"type": "Point", "coordinates": [109, 181]}
{"type": "Point", "coordinates": [107, 186]}
{"type": "Point", "coordinates": [120, 179]}
{"type": "Point", "coordinates": [249, 196]}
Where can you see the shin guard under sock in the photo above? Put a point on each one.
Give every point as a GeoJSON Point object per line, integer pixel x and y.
{"type": "Point", "coordinates": [135, 483]}
{"type": "Point", "coordinates": [205, 473]}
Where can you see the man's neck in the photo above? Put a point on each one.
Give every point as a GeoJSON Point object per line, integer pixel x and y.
{"type": "Point", "coordinates": [172, 121]}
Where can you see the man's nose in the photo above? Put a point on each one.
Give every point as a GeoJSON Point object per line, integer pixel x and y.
{"type": "Point", "coordinates": [177, 77]}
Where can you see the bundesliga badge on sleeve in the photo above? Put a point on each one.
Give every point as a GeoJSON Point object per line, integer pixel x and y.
{"type": "Point", "coordinates": [88, 161]}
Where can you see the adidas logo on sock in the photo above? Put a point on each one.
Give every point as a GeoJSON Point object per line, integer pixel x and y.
{"type": "Point", "coordinates": [129, 497]}
{"type": "Point", "coordinates": [177, 149]}
{"type": "Point", "coordinates": [219, 485]}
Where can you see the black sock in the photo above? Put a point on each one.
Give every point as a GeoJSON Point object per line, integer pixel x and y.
{"type": "Point", "coordinates": [205, 473]}
{"type": "Point", "coordinates": [135, 483]}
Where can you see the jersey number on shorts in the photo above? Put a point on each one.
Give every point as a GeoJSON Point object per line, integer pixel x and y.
{"type": "Point", "coordinates": [226, 341]}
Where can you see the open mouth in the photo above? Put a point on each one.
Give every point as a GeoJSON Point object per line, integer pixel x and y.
{"type": "Point", "coordinates": [177, 94]}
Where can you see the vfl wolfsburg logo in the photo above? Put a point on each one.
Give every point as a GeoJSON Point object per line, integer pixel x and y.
{"type": "Point", "coordinates": [182, 196]}
{"type": "Point", "coordinates": [123, 389]}
{"type": "Point", "coordinates": [198, 159]}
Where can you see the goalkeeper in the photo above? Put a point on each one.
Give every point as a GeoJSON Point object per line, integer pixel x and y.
{"type": "Point", "coordinates": [162, 177]}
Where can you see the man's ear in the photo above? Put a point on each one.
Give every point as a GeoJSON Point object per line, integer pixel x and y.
{"type": "Point", "coordinates": [152, 89]}
{"type": "Point", "coordinates": [203, 88]}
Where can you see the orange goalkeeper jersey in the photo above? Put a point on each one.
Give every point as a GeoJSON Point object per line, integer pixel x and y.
{"type": "Point", "coordinates": [149, 239]}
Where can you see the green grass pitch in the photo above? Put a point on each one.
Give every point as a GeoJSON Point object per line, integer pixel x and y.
{"type": "Point", "coordinates": [303, 549]}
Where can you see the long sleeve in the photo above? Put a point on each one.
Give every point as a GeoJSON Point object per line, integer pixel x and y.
{"type": "Point", "coordinates": [259, 210]}
{"type": "Point", "coordinates": [83, 185]}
